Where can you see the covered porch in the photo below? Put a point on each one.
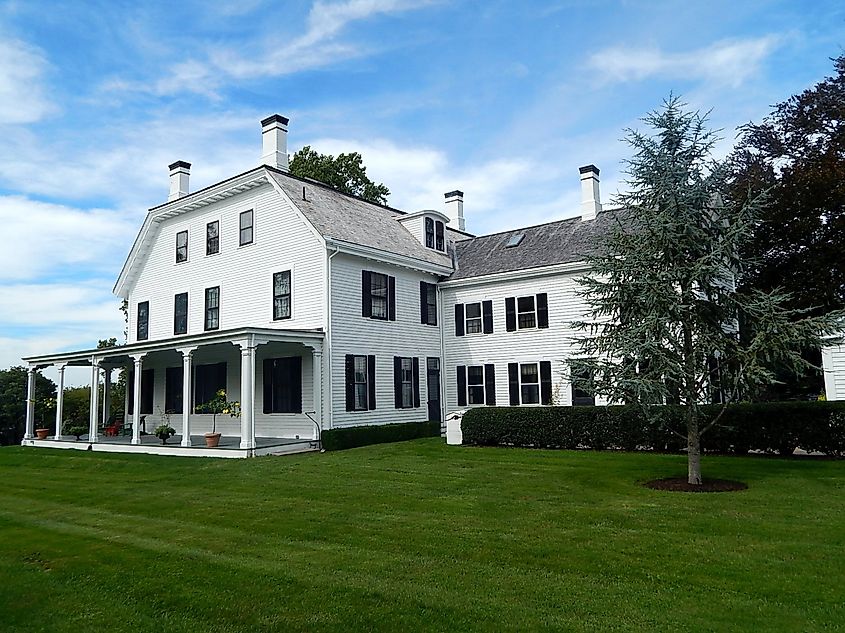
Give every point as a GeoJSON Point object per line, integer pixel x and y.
{"type": "Point", "coordinates": [276, 376]}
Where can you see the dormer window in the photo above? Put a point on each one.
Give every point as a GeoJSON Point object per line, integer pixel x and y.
{"type": "Point", "coordinates": [434, 234]}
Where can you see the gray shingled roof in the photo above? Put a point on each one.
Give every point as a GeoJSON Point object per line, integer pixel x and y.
{"type": "Point", "coordinates": [349, 219]}
{"type": "Point", "coordinates": [558, 242]}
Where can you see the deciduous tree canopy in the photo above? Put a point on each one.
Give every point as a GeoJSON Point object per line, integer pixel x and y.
{"type": "Point", "coordinates": [345, 172]}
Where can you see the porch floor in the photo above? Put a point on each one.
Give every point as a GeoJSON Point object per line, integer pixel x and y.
{"type": "Point", "coordinates": [229, 446]}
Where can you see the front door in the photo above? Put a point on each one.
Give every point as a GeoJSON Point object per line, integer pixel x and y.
{"type": "Point", "coordinates": [433, 372]}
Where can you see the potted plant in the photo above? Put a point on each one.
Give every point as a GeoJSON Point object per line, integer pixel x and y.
{"type": "Point", "coordinates": [164, 432]}
{"type": "Point", "coordinates": [46, 405]}
{"type": "Point", "coordinates": [218, 404]}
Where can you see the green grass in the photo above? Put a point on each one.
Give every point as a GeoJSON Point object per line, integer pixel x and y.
{"type": "Point", "coordinates": [416, 536]}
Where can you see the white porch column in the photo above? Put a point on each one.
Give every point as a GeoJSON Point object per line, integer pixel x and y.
{"type": "Point", "coordinates": [247, 395]}
{"type": "Point", "coordinates": [317, 372]}
{"type": "Point", "coordinates": [186, 395]}
{"type": "Point", "coordinates": [106, 414]}
{"type": "Point", "coordinates": [93, 419]}
{"type": "Point", "coordinates": [30, 403]}
{"type": "Point", "coordinates": [136, 400]}
{"type": "Point", "coordinates": [60, 400]}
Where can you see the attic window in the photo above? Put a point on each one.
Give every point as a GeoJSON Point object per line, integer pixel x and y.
{"type": "Point", "coordinates": [434, 234]}
{"type": "Point", "coordinates": [515, 240]}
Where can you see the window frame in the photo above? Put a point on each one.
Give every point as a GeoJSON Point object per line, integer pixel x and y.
{"type": "Point", "coordinates": [355, 383]}
{"type": "Point", "coordinates": [439, 236]}
{"type": "Point", "coordinates": [532, 385]}
{"type": "Point", "coordinates": [470, 386]}
{"type": "Point", "coordinates": [285, 367]}
{"type": "Point", "coordinates": [176, 314]}
{"type": "Point", "coordinates": [406, 378]}
{"type": "Point", "coordinates": [146, 321]}
{"type": "Point", "coordinates": [429, 232]}
{"type": "Point", "coordinates": [479, 318]}
{"type": "Point", "coordinates": [250, 228]}
{"type": "Point", "coordinates": [181, 251]}
{"type": "Point", "coordinates": [373, 297]}
{"type": "Point", "coordinates": [288, 294]}
{"type": "Point", "coordinates": [208, 238]}
{"type": "Point", "coordinates": [208, 311]}
{"type": "Point", "coordinates": [520, 313]}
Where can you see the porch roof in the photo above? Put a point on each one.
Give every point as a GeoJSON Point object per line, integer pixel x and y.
{"type": "Point", "coordinates": [254, 336]}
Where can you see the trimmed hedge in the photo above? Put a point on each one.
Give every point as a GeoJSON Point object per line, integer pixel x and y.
{"type": "Point", "coordinates": [773, 427]}
{"type": "Point", "coordinates": [339, 439]}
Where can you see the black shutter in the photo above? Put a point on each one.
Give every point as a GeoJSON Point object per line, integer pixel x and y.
{"type": "Point", "coordinates": [268, 385]}
{"type": "Point", "coordinates": [371, 382]}
{"type": "Point", "coordinates": [487, 316]}
{"type": "Point", "coordinates": [130, 390]}
{"type": "Point", "coordinates": [397, 382]}
{"type": "Point", "coordinates": [459, 319]}
{"type": "Point", "coordinates": [423, 302]}
{"type": "Point", "coordinates": [366, 300]}
{"type": "Point", "coordinates": [295, 384]}
{"type": "Point", "coordinates": [545, 382]}
{"type": "Point", "coordinates": [542, 310]}
{"type": "Point", "coordinates": [513, 382]}
{"type": "Point", "coordinates": [490, 384]}
{"type": "Point", "coordinates": [416, 382]}
{"type": "Point", "coordinates": [462, 386]}
{"type": "Point", "coordinates": [391, 298]}
{"type": "Point", "coordinates": [510, 314]}
{"type": "Point", "coordinates": [350, 382]}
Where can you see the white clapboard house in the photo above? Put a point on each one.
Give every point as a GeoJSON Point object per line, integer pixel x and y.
{"type": "Point", "coordinates": [318, 310]}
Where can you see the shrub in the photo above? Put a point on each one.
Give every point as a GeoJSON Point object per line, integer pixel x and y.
{"type": "Point", "coordinates": [774, 427]}
{"type": "Point", "coordinates": [339, 439]}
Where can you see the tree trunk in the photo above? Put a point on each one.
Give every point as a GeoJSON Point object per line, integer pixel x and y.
{"type": "Point", "coordinates": [693, 449]}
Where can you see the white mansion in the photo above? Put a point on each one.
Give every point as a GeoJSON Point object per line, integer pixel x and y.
{"type": "Point", "coordinates": [318, 310]}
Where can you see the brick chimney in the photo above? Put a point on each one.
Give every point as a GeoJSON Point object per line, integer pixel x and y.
{"type": "Point", "coordinates": [455, 208]}
{"type": "Point", "coordinates": [180, 174]}
{"type": "Point", "coordinates": [590, 195]}
{"type": "Point", "coordinates": [274, 141]}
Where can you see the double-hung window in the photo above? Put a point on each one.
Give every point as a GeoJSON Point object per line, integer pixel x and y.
{"type": "Point", "coordinates": [142, 329]}
{"type": "Point", "coordinates": [476, 384]}
{"type": "Point", "coordinates": [429, 232]}
{"type": "Point", "coordinates": [283, 384]}
{"type": "Point", "coordinates": [473, 318]}
{"type": "Point", "coordinates": [281, 295]}
{"type": "Point", "coordinates": [406, 382]}
{"type": "Point", "coordinates": [246, 226]}
{"type": "Point", "coordinates": [180, 313]}
{"type": "Point", "coordinates": [525, 313]}
{"type": "Point", "coordinates": [360, 383]}
{"type": "Point", "coordinates": [181, 246]}
{"type": "Point", "coordinates": [212, 238]}
{"type": "Point", "coordinates": [530, 383]}
{"type": "Point", "coordinates": [212, 308]}
{"type": "Point", "coordinates": [435, 234]}
{"type": "Point", "coordinates": [428, 303]}
{"type": "Point", "coordinates": [378, 296]}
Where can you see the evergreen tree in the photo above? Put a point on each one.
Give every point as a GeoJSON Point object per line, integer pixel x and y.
{"type": "Point", "coordinates": [346, 173]}
{"type": "Point", "coordinates": [664, 307]}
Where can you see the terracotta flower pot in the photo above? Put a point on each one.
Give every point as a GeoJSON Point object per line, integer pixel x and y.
{"type": "Point", "coordinates": [42, 434]}
{"type": "Point", "coordinates": [212, 439]}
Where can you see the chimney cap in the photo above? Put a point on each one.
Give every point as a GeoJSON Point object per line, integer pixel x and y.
{"type": "Point", "coordinates": [275, 118]}
{"type": "Point", "coordinates": [454, 194]}
{"type": "Point", "coordinates": [586, 169]}
{"type": "Point", "coordinates": [178, 164]}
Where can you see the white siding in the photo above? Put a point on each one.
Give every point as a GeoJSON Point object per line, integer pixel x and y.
{"type": "Point", "coordinates": [354, 334]}
{"type": "Point", "coordinates": [282, 241]}
{"type": "Point", "coordinates": [555, 343]}
{"type": "Point", "coordinates": [833, 362]}
{"type": "Point", "coordinates": [288, 425]}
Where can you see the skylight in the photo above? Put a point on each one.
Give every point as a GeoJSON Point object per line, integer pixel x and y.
{"type": "Point", "coordinates": [515, 240]}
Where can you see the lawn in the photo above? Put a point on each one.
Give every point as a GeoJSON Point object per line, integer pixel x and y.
{"type": "Point", "coordinates": [416, 536]}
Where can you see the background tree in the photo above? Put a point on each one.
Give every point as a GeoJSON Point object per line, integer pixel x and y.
{"type": "Point", "coordinates": [662, 296]}
{"type": "Point", "coordinates": [118, 388]}
{"type": "Point", "coordinates": [346, 173]}
{"type": "Point", "coordinates": [13, 403]}
{"type": "Point", "coordinates": [797, 153]}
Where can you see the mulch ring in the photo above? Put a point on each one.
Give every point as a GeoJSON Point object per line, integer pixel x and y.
{"type": "Point", "coordinates": [680, 484]}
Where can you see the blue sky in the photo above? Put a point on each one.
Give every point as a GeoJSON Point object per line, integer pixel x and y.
{"type": "Point", "coordinates": [503, 100]}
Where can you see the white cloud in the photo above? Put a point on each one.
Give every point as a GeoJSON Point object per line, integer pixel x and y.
{"type": "Point", "coordinates": [22, 93]}
{"type": "Point", "coordinates": [274, 56]}
{"type": "Point", "coordinates": [38, 305]}
{"type": "Point", "coordinates": [41, 237]}
{"type": "Point", "coordinates": [728, 62]}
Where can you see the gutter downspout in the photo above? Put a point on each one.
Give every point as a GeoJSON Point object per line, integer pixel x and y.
{"type": "Point", "coordinates": [329, 332]}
